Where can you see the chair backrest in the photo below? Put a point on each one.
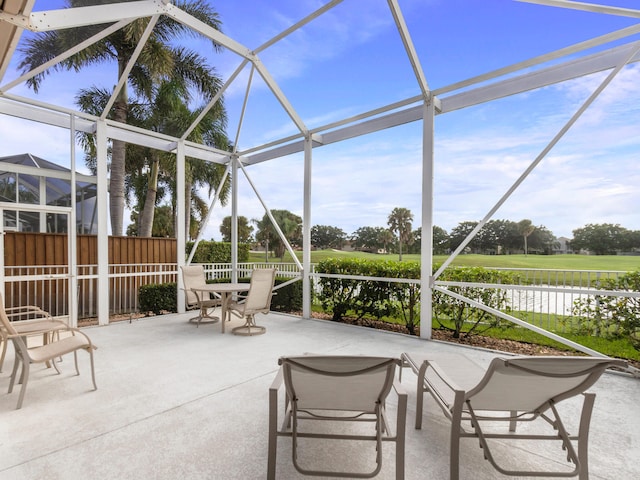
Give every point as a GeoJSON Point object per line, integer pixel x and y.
{"type": "Point", "coordinates": [260, 290]}
{"type": "Point", "coordinates": [193, 277]}
{"type": "Point", "coordinates": [529, 384]}
{"type": "Point", "coordinates": [5, 324]}
{"type": "Point", "coordinates": [347, 383]}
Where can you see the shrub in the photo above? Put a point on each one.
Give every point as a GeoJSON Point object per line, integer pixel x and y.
{"type": "Point", "coordinates": [285, 299]}
{"type": "Point", "coordinates": [610, 316]}
{"type": "Point", "coordinates": [460, 313]}
{"type": "Point", "coordinates": [371, 298]}
{"type": "Point", "coordinates": [288, 298]}
{"type": "Point", "coordinates": [217, 252]}
{"type": "Point", "coordinates": [157, 298]}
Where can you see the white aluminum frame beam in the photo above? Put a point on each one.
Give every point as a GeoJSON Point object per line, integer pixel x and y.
{"type": "Point", "coordinates": [587, 7]}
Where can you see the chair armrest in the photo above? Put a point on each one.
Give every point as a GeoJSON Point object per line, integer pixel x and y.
{"type": "Point", "coordinates": [399, 388]}
{"type": "Point", "coordinates": [77, 330]}
{"type": "Point", "coordinates": [26, 312]}
{"type": "Point", "coordinates": [36, 327]}
{"type": "Point", "coordinates": [443, 376]}
{"type": "Point", "coordinates": [277, 382]}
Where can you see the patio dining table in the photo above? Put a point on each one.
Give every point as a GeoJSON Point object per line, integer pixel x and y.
{"type": "Point", "coordinates": [225, 290]}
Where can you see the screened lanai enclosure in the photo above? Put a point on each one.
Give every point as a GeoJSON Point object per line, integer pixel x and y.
{"type": "Point", "coordinates": [420, 104]}
{"type": "Point", "coordinates": [24, 185]}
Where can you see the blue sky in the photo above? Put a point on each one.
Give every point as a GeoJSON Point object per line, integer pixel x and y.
{"type": "Point", "coordinates": [352, 60]}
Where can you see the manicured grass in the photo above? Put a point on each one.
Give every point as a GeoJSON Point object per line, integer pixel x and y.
{"type": "Point", "coordinates": [548, 262]}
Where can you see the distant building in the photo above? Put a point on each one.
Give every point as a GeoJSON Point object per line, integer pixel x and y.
{"type": "Point", "coordinates": [563, 245]}
{"type": "Point", "coordinates": [30, 181]}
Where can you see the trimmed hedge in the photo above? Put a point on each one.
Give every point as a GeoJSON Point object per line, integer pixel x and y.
{"type": "Point", "coordinates": [217, 252]}
{"type": "Point", "coordinates": [401, 301]}
{"type": "Point", "coordinates": [158, 298]}
{"type": "Point", "coordinates": [162, 297]}
{"type": "Point", "coordinates": [368, 297]}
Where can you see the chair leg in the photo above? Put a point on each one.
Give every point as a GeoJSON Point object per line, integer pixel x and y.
{"type": "Point", "coordinates": [93, 372]}
{"type": "Point", "coordinates": [583, 435]}
{"type": "Point", "coordinates": [454, 441]}
{"type": "Point", "coordinates": [4, 352]}
{"type": "Point", "coordinates": [401, 435]}
{"type": "Point", "coordinates": [14, 372]}
{"type": "Point", "coordinates": [75, 361]}
{"type": "Point", "coordinates": [420, 397]}
{"type": "Point", "coordinates": [273, 437]}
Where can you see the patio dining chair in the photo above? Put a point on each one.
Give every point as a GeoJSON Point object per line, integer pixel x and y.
{"type": "Point", "coordinates": [336, 389]}
{"type": "Point", "coordinates": [511, 390]}
{"type": "Point", "coordinates": [67, 340]}
{"type": "Point", "coordinates": [29, 320]}
{"type": "Point", "coordinates": [257, 300]}
{"type": "Point", "coordinates": [193, 278]}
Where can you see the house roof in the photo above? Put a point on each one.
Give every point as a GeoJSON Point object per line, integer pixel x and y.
{"type": "Point", "coordinates": [58, 190]}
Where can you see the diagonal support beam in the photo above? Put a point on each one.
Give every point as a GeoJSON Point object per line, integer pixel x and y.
{"type": "Point", "coordinates": [587, 7]}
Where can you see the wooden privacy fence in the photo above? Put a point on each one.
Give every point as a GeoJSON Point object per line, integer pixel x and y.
{"type": "Point", "coordinates": [36, 270]}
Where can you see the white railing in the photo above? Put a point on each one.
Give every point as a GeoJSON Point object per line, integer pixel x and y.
{"type": "Point", "coordinates": [540, 296]}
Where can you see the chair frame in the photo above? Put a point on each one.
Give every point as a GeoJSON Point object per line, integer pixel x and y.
{"type": "Point", "coordinates": [54, 348]}
{"type": "Point", "coordinates": [31, 320]}
{"type": "Point", "coordinates": [244, 307]}
{"type": "Point", "coordinates": [457, 405]}
{"type": "Point", "coordinates": [201, 303]}
{"type": "Point", "coordinates": [377, 414]}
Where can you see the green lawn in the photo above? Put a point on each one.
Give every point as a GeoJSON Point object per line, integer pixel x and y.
{"type": "Point", "coordinates": [549, 262]}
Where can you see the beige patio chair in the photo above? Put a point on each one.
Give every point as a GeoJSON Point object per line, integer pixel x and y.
{"type": "Point", "coordinates": [257, 300]}
{"type": "Point", "coordinates": [513, 390]}
{"type": "Point", "coordinates": [72, 341]}
{"type": "Point", "coordinates": [193, 278]}
{"type": "Point", "coordinates": [29, 320]}
{"type": "Point", "coordinates": [336, 389]}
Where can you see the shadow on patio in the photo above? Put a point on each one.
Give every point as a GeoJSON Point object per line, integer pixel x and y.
{"type": "Point", "coordinates": [176, 401]}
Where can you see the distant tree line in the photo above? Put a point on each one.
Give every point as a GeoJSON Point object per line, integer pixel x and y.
{"type": "Point", "coordinates": [497, 237]}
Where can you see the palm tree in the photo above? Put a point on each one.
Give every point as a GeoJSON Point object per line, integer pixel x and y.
{"type": "Point", "coordinates": [400, 221]}
{"type": "Point", "coordinates": [168, 113]}
{"type": "Point", "coordinates": [151, 173]}
{"type": "Point", "coordinates": [289, 224]}
{"type": "Point", "coordinates": [526, 228]}
{"type": "Point", "coordinates": [159, 60]}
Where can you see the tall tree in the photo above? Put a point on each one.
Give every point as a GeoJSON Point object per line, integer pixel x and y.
{"type": "Point", "coordinates": [160, 59]}
{"type": "Point", "coordinates": [440, 240]}
{"type": "Point", "coordinates": [601, 239]}
{"type": "Point", "coordinates": [245, 231]}
{"type": "Point", "coordinates": [326, 236]}
{"type": "Point", "coordinates": [460, 232]}
{"type": "Point", "coordinates": [526, 228]}
{"type": "Point", "coordinates": [370, 238]}
{"type": "Point", "coordinates": [289, 223]}
{"type": "Point", "coordinates": [399, 222]}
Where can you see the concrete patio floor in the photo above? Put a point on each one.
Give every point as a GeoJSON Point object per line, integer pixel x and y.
{"type": "Point", "coordinates": [179, 402]}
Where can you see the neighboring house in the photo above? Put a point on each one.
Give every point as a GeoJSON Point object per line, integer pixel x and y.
{"type": "Point", "coordinates": [563, 245]}
{"type": "Point", "coordinates": [31, 180]}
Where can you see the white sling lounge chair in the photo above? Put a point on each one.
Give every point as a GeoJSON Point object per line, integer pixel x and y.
{"type": "Point", "coordinates": [67, 340]}
{"type": "Point", "coordinates": [511, 389]}
{"type": "Point", "coordinates": [336, 389]}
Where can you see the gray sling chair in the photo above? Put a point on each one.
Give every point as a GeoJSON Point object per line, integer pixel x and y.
{"type": "Point", "coordinates": [193, 278]}
{"type": "Point", "coordinates": [513, 390]}
{"type": "Point", "coordinates": [336, 389]}
{"type": "Point", "coordinates": [66, 340]}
